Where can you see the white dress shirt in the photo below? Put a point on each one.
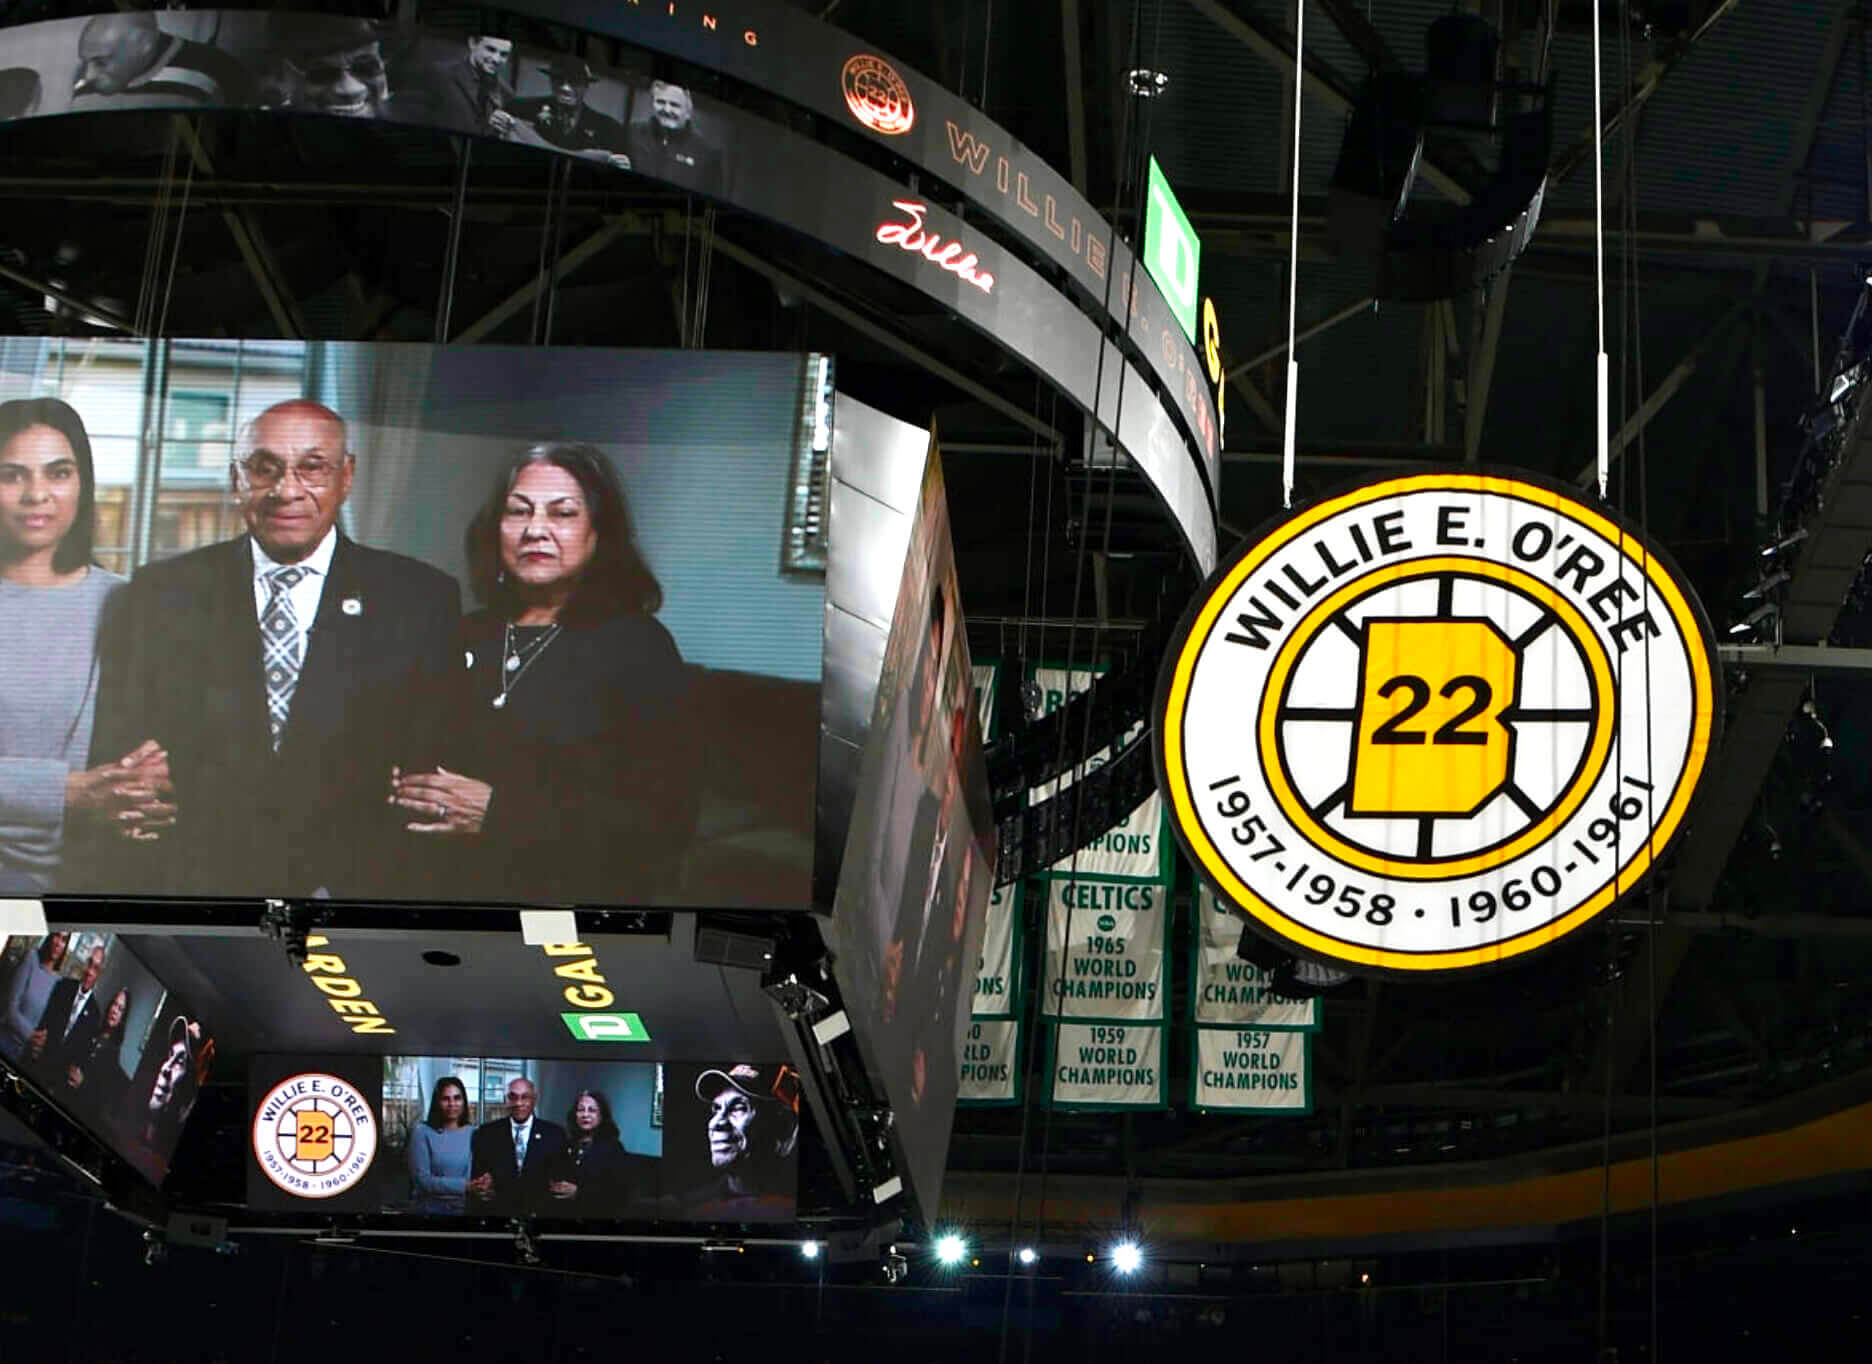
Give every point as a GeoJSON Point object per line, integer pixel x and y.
{"type": "Point", "coordinates": [305, 594]}
{"type": "Point", "coordinates": [78, 1004]}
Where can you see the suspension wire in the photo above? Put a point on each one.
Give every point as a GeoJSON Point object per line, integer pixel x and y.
{"type": "Point", "coordinates": [1610, 979]}
{"type": "Point", "coordinates": [1293, 265]}
{"type": "Point", "coordinates": [1134, 144]}
{"type": "Point", "coordinates": [175, 249]}
{"type": "Point", "coordinates": [1600, 439]}
{"type": "Point", "coordinates": [142, 321]}
{"type": "Point", "coordinates": [987, 40]}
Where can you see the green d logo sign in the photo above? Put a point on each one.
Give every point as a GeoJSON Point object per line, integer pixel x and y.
{"type": "Point", "coordinates": [1106, 923]}
{"type": "Point", "coordinates": [606, 1027]}
{"type": "Point", "coordinates": [1172, 251]}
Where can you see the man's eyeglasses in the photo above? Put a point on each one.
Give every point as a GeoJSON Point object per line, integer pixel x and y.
{"type": "Point", "coordinates": [366, 66]}
{"type": "Point", "coordinates": [265, 473]}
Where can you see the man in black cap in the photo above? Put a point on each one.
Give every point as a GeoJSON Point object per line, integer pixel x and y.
{"type": "Point", "coordinates": [331, 65]}
{"type": "Point", "coordinates": [668, 146]}
{"type": "Point", "coordinates": [752, 1129]}
{"type": "Point", "coordinates": [562, 119]}
{"type": "Point", "coordinates": [127, 54]}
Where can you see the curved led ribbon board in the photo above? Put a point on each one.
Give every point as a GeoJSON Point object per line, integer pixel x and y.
{"type": "Point", "coordinates": [328, 65]}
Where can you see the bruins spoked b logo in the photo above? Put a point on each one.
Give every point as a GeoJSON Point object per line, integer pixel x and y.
{"type": "Point", "coordinates": [314, 1135]}
{"type": "Point", "coordinates": [1435, 722]}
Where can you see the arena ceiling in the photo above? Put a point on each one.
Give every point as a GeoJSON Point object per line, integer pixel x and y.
{"type": "Point", "coordinates": [1737, 165]}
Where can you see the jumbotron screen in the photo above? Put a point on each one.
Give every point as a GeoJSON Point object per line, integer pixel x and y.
{"type": "Point", "coordinates": [514, 1137]}
{"type": "Point", "coordinates": [407, 622]}
{"type": "Point", "coordinates": [83, 1018]}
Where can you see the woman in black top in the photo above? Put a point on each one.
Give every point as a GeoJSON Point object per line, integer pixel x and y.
{"type": "Point", "coordinates": [573, 782]}
{"type": "Point", "coordinates": [95, 1073]}
{"type": "Point", "coordinates": [598, 1177]}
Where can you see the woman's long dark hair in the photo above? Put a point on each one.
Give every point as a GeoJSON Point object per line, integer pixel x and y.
{"type": "Point", "coordinates": [21, 414]}
{"type": "Point", "coordinates": [107, 1034]}
{"type": "Point", "coordinates": [615, 582]}
{"type": "Point", "coordinates": [435, 1101]}
{"type": "Point", "coordinates": [45, 949]}
{"type": "Point", "coordinates": [607, 1126]}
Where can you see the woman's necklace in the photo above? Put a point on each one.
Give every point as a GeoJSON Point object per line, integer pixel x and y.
{"type": "Point", "coordinates": [518, 655]}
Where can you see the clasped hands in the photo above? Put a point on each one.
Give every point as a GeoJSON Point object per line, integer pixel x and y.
{"type": "Point", "coordinates": [130, 795]}
{"type": "Point", "coordinates": [441, 802]}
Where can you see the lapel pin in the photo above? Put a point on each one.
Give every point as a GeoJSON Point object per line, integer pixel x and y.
{"type": "Point", "coordinates": [352, 606]}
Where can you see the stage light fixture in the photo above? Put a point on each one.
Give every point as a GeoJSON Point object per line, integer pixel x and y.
{"type": "Point", "coordinates": [1767, 585]}
{"type": "Point", "coordinates": [951, 1249]}
{"type": "Point", "coordinates": [1787, 543]}
{"type": "Point", "coordinates": [1127, 1257]}
{"type": "Point", "coordinates": [809, 1249]}
{"type": "Point", "coordinates": [1754, 618]}
{"type": "Point", "coordinates": [894, 1266]}
{"type": "Point", "coordinates": [1027, 1255]}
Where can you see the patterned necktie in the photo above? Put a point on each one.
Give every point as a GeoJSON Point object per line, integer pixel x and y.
{"type": "Point", "coordinates": [520, 1145]}
{"type": "Point", "coordinates": [279, 647]}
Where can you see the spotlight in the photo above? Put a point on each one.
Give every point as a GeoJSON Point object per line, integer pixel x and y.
{"type": "Point", "coordinates": [894, 1266]}
{"type": "Point", "coordinates": [1787, 543]}
{"type": "Point", "coordinates": [1812, 712]}
{"type": "Point", "coordinates": [951, 1249]}
{"type": "Point", "coordinates": [1767, 585]}
{"type": "Point", "coordinates": [1146, 83]}
{"type": "Point", "coordinates": [1027, 1255]}
{"type": "Point", "coordinates": [1126, 1257]}
{"type": "Point", "coordinates": [1759, 615]}
{"type": "Point", "coordinates": [809, 1249]}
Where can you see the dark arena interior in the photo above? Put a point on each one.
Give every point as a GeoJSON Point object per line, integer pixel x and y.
{"type": "Point", "coordinates": [746, 827]}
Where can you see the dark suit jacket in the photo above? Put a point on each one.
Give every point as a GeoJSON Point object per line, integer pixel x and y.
{"type": "Point", "coordinates": [517, 1192]}
{"type": "Point", "coordinates": [62, 1049]}
{"type": "Point", "coordinates": [588, 130]}
{"type": "Point", "coordinates": [683, 157]}
{"type": "Point", "coordinates": [180, 663]}
{"type": "Point", "coordinates": [454, 94]}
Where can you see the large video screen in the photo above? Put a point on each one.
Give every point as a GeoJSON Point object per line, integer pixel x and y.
{"type": "Point", "coordinates": [913, 889]}
{"type": "Point", "coordinates": [105, 1039]}
{"type": "Point", "coordinates": [407, 622]}
{"type": "Point", "coordinates": [480, 1136]}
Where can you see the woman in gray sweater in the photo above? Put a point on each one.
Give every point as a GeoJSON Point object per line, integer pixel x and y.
{"type": "Point", "coordinates": [439, 1154]}
{"type": "Point", "coordinates": [52, 598]}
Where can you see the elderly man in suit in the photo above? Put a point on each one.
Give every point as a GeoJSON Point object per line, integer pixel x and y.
{"type": "Point", "coordinates": [287, 671]}
{"type": "Point", "coordinates": [512, 1159]}
{"type": "Point", "coordinates": [71, 1019]}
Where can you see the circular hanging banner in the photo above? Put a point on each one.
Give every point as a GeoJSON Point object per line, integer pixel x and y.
{"type": "Point", "coordinates": [1435, 722]}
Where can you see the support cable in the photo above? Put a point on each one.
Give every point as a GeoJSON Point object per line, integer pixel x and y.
{"type": "Point", "coordinates": [1293, 266]}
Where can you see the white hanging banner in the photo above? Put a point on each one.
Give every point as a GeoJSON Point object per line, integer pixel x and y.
{"type": "Point", "coordinates": [1226, 989]}
{"type": "Point", "coordinates": [985, 676]}
{"type": "Point", "coordinates": [997, 992]}
{"type": "Point", "coordinates": [1105, 949]}
{"type": "Point", "coordinates": [1107, 1065]}
{"type": "Point", "coordinates": [1252, 1070]}
{"type": "Point", "coordinates": [990, 1063]}
{"type": "Point", "coordinates": [1137, 847]}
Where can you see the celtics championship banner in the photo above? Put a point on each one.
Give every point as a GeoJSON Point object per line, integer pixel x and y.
{"type": "Point", "coordinates": [1226, 989]}
{"type": "Point", "coordinates": [986, 674]}
{"type": "Point", "coordinates": [997, 972]}
{"type": "Point", "coordinates": [991, 1068]}
{"type": "Point", "coordinates": [1136, 848]}
{"type": "Point", "coordinates": [1105, 949]}
{"type": "Point", "coordinates": [1107, 1066]}
{"type": "Point", "coordinates": [1252, 1070]}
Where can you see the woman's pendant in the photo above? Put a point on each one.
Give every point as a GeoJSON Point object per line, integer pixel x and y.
{"type": "Point", "coordinates": [500, 700]}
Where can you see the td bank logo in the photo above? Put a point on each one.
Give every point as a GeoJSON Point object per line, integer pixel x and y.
{"type": "Point", "coordinates": [606, 1027]}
